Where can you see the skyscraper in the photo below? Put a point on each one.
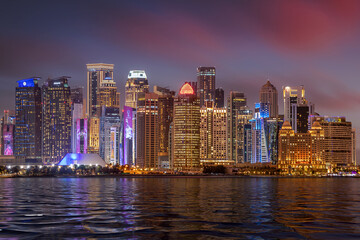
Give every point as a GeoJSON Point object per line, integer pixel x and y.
{"type": "Point", "coordinates": [56, 119]}
{"type": "Point", "coordinates": [213, 138]}
{"type": "Point", "coordinates": [269, 94]}
{"type": "Point", "coordinates": [28, 121]}
{"type": "Point", "coordinates": [135, 88]}
{"type": "Point", "coordinates": [165, 113]}
{"type": "Point", "coordinates": [77, 112]}
{"type": "Point", "coordinates": [206, 84]}
{"type": "Point", "coordinates": [186, 130]}
{"type": "Point", "coordinates": [110, 135]}
{"type": "Point", "coordinates": [236, 102]}
{"type": "Point", "coordinates": [299, 116]}
{"type": "Point", "coordinates": [97, 74]}
{"type": "Point", "coordinates": [219, 98]}
{"type": "Point", "coordinates": [292, 95]}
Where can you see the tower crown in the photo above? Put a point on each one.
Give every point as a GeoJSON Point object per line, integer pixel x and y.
{"type": "Point", "coordinates": [186, 89]}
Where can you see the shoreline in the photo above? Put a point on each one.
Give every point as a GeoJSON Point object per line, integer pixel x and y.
{"type": "Point", "coordinates": [172, 176]}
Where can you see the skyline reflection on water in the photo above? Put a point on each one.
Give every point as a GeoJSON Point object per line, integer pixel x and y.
{"type": "Point", "coordinates": [180, 208]}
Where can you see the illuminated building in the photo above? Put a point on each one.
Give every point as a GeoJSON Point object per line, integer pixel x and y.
{"type": "Point", "coordinates": [94, 134]}
{"type": "Point", "coordinates": [81, 136]}
{"type": "Point", "coordinates": [301, 153]}
{"type": "Point", "coordinates": [264, 136]}
{"type": "Point", "coordinates": [269, 94]}
{"type": "Point", "coordinates": [7, 132]}
{"type": "Point", "coordinates": [243, 118]}
{"type": "Point", "coordinates": [165, 114]}
{"type": "Point", "coordinates": [236, 102]}
{"type": "Point", "coordinates": [108, 94]}
{"type": "Point", "coordinates": [292, 95]}
{"type": "Point", "coordinates": [77, 112]}
{"type": "Point", "coordinates": [206, 84]}
{"type": "Point", "coordinates": [128, 141]}
{"type": "Point", "coordinates": [82, 159]}
{"type": "Point", "coordinates": [56, 119]}
{"type": "Point", "coordinates": [110, 135]}
{"type": "Point", "coordinates": [186, 132]}
{"type": "Point", "coordinates": [8, 139]}
{"type": "Point", "coordinates": [213, 137]}
{"type": "Point", "coordinates": [299, 116]}
{"type": "Point", "coordinates": [219, 98]}
{"type": "Point", "coordinates": [28, 122]}
{"type": "Point", "coordinates": [97, 74]}
{"type": "Point", "coordinates": [338, 140]}
{"type": "Point", "coordinates": [135, 88]}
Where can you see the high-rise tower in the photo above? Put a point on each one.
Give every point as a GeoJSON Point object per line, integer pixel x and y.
{"type": "Point", "coordinates": [56, 119]}
{"type": "Point", "coordinates": [97, 73]}
{"type": "Point", "coordinates": [28, 119]}
{"type": "Point", "coordinates": [236, 103]}
{"type": "Point", "coordinates": [206, 84]}
{"type": "Point", "coordinates": [186, 129]}
{"type": "Point", "coordinates": [292, 95]}
{"type": "Point", "coordinates": [135, 88]}
{"type": "Point", "coordinates": [269, 94]}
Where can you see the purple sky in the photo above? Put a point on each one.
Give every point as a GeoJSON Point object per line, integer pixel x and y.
{"type": "Point", "coordinates": [310, 43]}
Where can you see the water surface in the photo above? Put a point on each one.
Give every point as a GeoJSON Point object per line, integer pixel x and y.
{"type": "Point", "coordinates": [180, 208]}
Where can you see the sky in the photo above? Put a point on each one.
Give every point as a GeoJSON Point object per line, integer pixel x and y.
{"type": "Point", "coordinates": [290, 42]}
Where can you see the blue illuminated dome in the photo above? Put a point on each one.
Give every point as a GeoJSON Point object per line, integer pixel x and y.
{"type": "Point", "coordinates": [82, 159]}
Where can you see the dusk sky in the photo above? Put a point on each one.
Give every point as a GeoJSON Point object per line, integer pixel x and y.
{"type": "Point", "coordinates": [310, 43]}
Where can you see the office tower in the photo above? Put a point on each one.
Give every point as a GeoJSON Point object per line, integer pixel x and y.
{"type": "Point", "coordinates": [108, 94]}
{"type": "Point", "coordinates": [247, 143]}
{"type": "Point", "coordinates": [110, 135]}
{"type": "Point", "coordinates": [338, 140]}
{"type": "Point", "coordinates": [135, 88]}
{"type": "Point", "coordinates": [28, 131]}
{"type": "Point", "coordinates": [8, 131]}
{"type": "Point", "coordinates": [219, 98]}
{"type": "Point", "coordinates": [264, 135]}
{"type": "Point", "coordinates": [77, 112]}
{"type": "Point", "coordinates": [301, 153]}
{"type": "Point", "coordinates": [151, 130]}
{"type": "Point", "coordinates": [292, 95]}
{"type": "Point", "coordinates": [206, 84]}
{"type": "Point", "coordinates": [56, 119]}
{"type": "Point", "coordinates": [213, 137]}
{"type": "Point", "coordinates": [97, 74]}
{"type": "Point", "coordinates": [186, 132]}
{"type": "Point", "coordinates": [299, 116]}
{"type": "Point", "coordinates": [165, 114]}
{"type": "Point", "coordinates": [242, 117]}
{"type": "Point", "coordinates": [81, 140]}
{"type": "Point", "coordinates": [140, 136]}
{"type": "Point", "coordinates": [259, 143]}
{"type": "Point", "coordinates": [269, 94]}
{"type": "Point", "coordinates": [236, 102]}
{"type": "Point", "coordinates": [129, 140]}
{"type": "Point", "coordinates": [94, 134]}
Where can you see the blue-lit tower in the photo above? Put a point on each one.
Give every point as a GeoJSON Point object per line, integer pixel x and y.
{"type": "Point", "coordinates": [27, 141]}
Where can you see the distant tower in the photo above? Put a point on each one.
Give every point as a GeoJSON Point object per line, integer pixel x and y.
{"type": "Point", "coordinates": [56, 119]}
{"type": "Point", "coordinates": [292, 95]}
{"type": "Point", "coordinates": [269, 94]}
{"type": "Point", "coordinates": [110, 135]}
{"type": "Point", "coordinates": [236, 103]}
{"type": "Point", "coordinates": [219, 98]}
{"type": "Point", "coordinates": [96, 74]}
{"type": "Point", "coordinates": [77, 112]}
{"type": "Point", "coordinates": [135, 88]}
{"type": "Point", "coordinates": [186, 129]}
{"type": "Point", "coordinates": [206, 84]}
{"type": "Point", "coordinates": [28, 119]}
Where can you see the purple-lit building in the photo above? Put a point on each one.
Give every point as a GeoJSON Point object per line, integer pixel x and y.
{"type": "Point", "coordinates": [81, 135]}
{"type": "Point", "coordinates": [8, 139]}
